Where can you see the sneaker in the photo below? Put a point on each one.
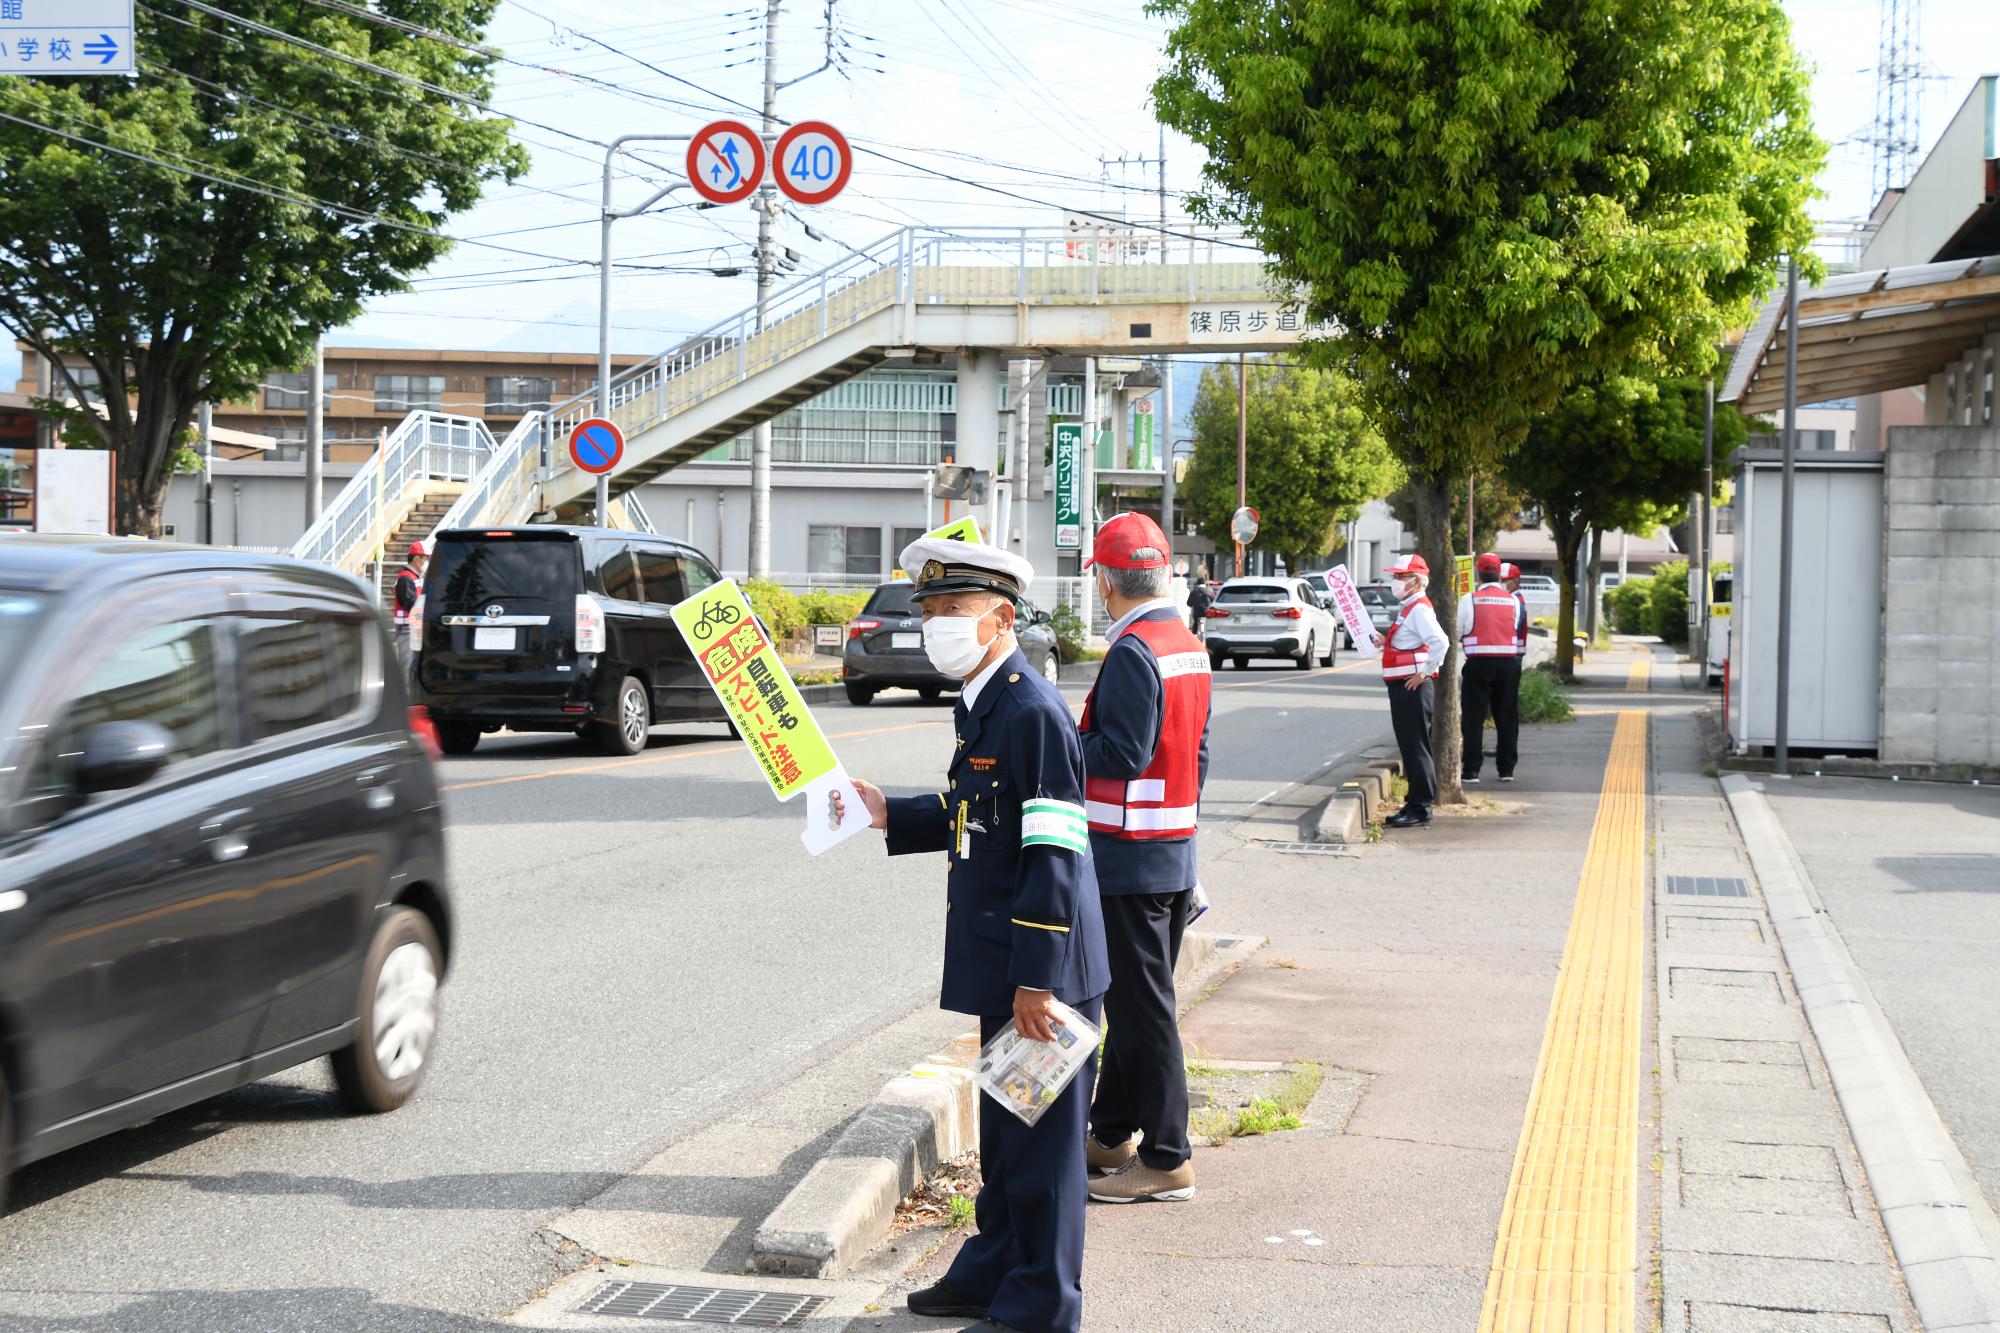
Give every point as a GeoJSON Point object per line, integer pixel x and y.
{"type": "Point", "coordinates": [1506, 777]}
{"type": "Point", "coordinates": [1469, 779]}
{"type": "Point", "coordinates": [1104, 1160]}
{"type": "Point", "coordinates": [1135, 1182]}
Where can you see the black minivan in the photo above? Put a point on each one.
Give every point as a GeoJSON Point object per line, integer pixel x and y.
{"type": "Point", "coordinates": [555, 628]}
{"type": "Point", "coordinates": [221, 845]}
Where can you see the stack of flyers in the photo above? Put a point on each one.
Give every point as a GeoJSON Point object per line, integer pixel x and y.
{"type": "Point", "coordinates": [1027, 1076]}
{"type": "Point", "coordinates": [1197, 905]}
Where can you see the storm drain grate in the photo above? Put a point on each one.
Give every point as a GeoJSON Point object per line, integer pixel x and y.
{"type": "Point", "coordinates": [703, 1305]}
{"type": "Point", "coordinates": [1310, 848]}
{"type": "Point", "coordinates": [1707, 886]}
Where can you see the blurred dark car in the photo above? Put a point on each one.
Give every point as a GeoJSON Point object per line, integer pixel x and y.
{"type": "Point", "coordinates": [1382, 604]}
{"type": "Point", "coordinates": [221, 847]}
{"type": "Point", "coordinates": [885, 646]}
{"type": "Point", "coordinates": [556, 628]}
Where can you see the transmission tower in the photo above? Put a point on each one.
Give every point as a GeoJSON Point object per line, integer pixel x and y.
{"type": "Point", "coordinates": [1899, 78]}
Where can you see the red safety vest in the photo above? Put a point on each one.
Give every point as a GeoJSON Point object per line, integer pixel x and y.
{"type": "Point", "coordinates": [1160, 803]}
{"type": "Point", "coordinates": [1398, 663]}
{"type": "Point", "coordinates": [402, 614]}
{"type": "Point", "coordinates": [1494, 616]}
{"type": "Point", "coordinates": [1521, 626]}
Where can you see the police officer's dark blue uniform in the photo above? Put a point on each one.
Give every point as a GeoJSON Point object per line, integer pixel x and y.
{"type": "Point", "coordinates": [1022, 911]}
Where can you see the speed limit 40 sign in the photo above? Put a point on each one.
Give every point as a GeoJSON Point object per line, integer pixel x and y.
{"type": "Point", "coordinates": [812, 161]}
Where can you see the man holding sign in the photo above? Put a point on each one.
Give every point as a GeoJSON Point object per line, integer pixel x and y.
{"type": "Point", "coordinates": [1022, 927]}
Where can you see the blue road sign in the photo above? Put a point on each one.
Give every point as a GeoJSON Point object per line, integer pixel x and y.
{"type": "Point", "coordinates": [66, 37]}
{"type": "Point", "coordinates": [596, 445]}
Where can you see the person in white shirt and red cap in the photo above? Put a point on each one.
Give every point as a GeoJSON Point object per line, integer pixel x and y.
{"type": "Point", "coordinates": [1413, 652]}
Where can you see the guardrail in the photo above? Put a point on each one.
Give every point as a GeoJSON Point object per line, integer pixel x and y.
{"type": "Point", "coordinates": [504, 484]}
{"type": "Point", "coordinates": [920, 265]}
{"type": "Point", "coordinates": [425, 445]}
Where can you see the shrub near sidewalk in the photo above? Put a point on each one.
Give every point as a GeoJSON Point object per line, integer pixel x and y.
{"type": "Point", "coordinates": [1543, 699]}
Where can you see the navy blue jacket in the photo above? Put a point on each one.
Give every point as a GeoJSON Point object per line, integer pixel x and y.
{"type": "Point", "coordinates": [1125, 715]}
{"type": "Point", "coordinates": [1015, 915]}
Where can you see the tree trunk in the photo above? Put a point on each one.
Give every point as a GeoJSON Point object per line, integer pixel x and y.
{"type": "Point", "coordinates": [1569, 543]}
{"type": "Point", "coordinates": [1437, 498]}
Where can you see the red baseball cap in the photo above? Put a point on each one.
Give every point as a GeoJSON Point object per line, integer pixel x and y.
{"type": "Point", "coordinates": [1129, 541]}
{"type": "Point", "coordinates": [1411, 564]}
{"type": "Point", "coordinates": [418, 548]}
{"type": "Point", "coordinates": [1488, 563]}
{"type": "Point", "coordinates": [1510, 571]}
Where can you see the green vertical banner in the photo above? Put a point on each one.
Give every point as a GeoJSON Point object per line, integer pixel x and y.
{"type": "Point", "coordinates": [1069, 485]}
{"type": "Point", "coordinates": [1105, 450]}
{"type": "Point", "coordinates": [1145, 452]}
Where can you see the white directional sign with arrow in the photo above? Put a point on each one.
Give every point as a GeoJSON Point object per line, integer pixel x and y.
{"type": "Point", "coordinates": [66, 37]}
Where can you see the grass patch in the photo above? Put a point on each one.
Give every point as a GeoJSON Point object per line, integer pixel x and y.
{"type": "Point", "coordinates": [1602, 643]}
{"type": "Point", "coordinates": [1200, 1066]}
{"type": "Point", "coordinates": [1282, 1107]}
{"type": "Point", "coordinates": [1711, 771]}
{"type": "Point", "coordinates": [1285, 963]}
{"type": "Point", "coordinates": [1264, 1116]}
{"type": "Point", "coordinates": [958, 1213]}
{"type": "Point", "coordinates": [1399, 788]}
{"type": "Point", "coordinates": [827, 676]}
{"type": "Point", "coordinates": [1543, 699]}
{"type": "Point", "coordinates": [1373, 830]}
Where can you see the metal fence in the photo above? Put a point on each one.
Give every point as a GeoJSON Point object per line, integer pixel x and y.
{"type": "Point", "coordinates": [425, 446]}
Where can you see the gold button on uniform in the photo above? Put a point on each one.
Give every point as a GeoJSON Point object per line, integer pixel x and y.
{"type": "Point", "coordinates": [1016, 676]}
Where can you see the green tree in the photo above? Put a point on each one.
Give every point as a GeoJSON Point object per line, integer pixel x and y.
{"type": "Point", "coordinates": [1622, 453]}
{"type": "Point", "coordinates": [177, 290]}
{"type": "Point", "coordinates": [1490, 199]}
{"type": "Point", "coordinates": [1314, 457]}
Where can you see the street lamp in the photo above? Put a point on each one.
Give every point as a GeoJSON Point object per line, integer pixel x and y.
{"type": "Point", "coordinates": [609, 216]}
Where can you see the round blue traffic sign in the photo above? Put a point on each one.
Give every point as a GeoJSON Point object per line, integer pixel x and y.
{"type": "Point", "coordinates": [596, 445]}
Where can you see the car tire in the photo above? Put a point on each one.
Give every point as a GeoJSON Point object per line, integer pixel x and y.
{"type": "Point", "coordinates": [1332, 646]}
{"type": "Point", "coordinates": [928, 693]}
{"type": "Point", "coordinates": [1307, 653]}
{"type": "Point", "coordinates": [860, 695]}
{"type": "Point", "coordinates": [1215, 662]}
{"type": "Point", "coordinates": [1051, 670]}
{"type": "Point", "coordinates": [397, 1016]}
{"type": "Point", "coordinates": [457, 737]}
{"type": "Point", "coordinates": [1242, 663]}
{"type": "Point", "coordinates": [633, 711]}
{"type": "Point", "coordinates": [6, 1137]}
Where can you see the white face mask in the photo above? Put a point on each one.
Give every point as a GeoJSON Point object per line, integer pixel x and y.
{"type": "Point", "coordinates": [953, 645]}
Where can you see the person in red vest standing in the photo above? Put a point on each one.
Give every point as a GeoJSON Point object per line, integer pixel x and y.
{"type": "Point", "coordinates": [1510, 574]}
{"type": "Point", "coordinates": [409, 586]}
{"type": "Point", "coordinates": [1413, 652]}
{"type": "Point", "coordinates": [1145, 758]}
{"type": "Point", "coordinates": [1488, 625]}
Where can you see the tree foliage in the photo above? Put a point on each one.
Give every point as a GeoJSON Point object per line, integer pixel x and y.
{"type": "Point", "coordinates": [1314, 457]}
{"type": "Point", "coordinates": [178, 290]}
{"type": "Point", "coordinates": [1492, 199]}
{"type": "Point", "coordinates": [1623, 453]}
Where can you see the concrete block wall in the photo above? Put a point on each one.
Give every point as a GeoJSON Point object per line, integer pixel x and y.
{"type": "Point", "coordinates": [1941, 597]}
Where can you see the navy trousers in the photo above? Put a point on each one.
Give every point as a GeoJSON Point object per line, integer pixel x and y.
{"type": "Point", "coordinates": [1410, 712]}
{"type": "Point", "coordinates": [1026, 1261]}
{"type": "Point", "coordinates": [1491, 687]}
{"type": "Point", "coordinates": [1143, 1085]}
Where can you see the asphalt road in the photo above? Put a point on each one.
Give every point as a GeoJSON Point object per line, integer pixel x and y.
{"type": "Point", "coordinates": [644, 947]}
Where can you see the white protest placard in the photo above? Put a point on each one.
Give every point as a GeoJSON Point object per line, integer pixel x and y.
{"type": "Point", "coordinates": [1353, 611]}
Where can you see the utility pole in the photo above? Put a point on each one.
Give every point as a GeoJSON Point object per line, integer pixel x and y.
{"type": "Point", "coordinates": [1089, 514]}
{"type": "Point", "coordinates": [766, 204]}
{"type": "Point", "coordinates": [1704, 534]}
{"type": "Point", "coordinates": [1471, 542]}
{"type": "Point", "coordinates": [204, 423]}
{"type": "Point", "coordinates": [1783, 765]}
{"type": "Point", "coordinates": [316, 431]}
{"type": "Point", "coordinates": [1164, 431]}
{"type": "Point", "coordinates": [1163, 201]}
{"type": "Point", "coordinates": [1242, 444]}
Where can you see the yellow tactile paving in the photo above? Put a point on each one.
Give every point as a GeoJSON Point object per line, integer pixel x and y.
{"type": "Point", "coordinates": [1566, 1257]}
{"type": "Point", "coordinates": [1641, 678]}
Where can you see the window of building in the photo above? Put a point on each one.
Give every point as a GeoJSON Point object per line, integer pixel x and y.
{"type": "Point", "coordinates": [301, 671]}
{"type": "Point", "coordinates": [292, 392]}
{"type": "Point", "coordinates": [87, 379]}
{"type": "Point", "coordinates": [844, 551]}
{"type": "Point", "coordinates": [409, 393]}
{"type": "Point", "coordinates": [904, 536]}
{"type": "Point", "coordinates": [519, 393]}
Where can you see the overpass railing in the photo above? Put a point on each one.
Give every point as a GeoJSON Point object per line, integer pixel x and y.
{"type": "Point", "coordinates": [433, 446]}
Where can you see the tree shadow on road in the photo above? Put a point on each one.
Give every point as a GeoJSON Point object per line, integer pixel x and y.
{"type": "Point", "coordinates": [327, 1309]}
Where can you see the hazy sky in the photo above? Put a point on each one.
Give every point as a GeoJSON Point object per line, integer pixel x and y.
{"type": "Point", "coordinates": [1025, 95]}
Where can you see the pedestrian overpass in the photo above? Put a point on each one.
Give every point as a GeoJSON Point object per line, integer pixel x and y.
{"type": "Point", "coordinates": [984, 293]}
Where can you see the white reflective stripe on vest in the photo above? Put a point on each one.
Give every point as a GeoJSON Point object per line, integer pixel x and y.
{"type": "Point", "coordinates": [1489, 649]}
{"type": "Point", "coordinates": [1146, 789]}
{"type": "Point", "coordinates": [1166, 817]}
{"type": "Point", "coordinates": [1183, 664]}
{"type": "Point", "coordinates": [1103, 812]}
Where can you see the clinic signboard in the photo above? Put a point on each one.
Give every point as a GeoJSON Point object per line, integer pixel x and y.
{"type": "Point", "coordinates": [1069, 485]}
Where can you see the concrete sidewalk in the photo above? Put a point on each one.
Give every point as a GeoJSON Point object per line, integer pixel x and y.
{"type": "Point", "coordinates": [1418, 974]}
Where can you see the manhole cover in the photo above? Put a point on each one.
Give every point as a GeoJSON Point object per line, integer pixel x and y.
{"type": "Point", "coordinates": [1707, 886]}
{"type": "Point", "coordinates": [1310, 848]}
{"type": "Point", "coordinates": [703, 1305]}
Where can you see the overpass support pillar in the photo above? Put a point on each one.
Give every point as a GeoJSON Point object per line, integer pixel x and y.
{"type": "Point", "coordinates": [979, 421]}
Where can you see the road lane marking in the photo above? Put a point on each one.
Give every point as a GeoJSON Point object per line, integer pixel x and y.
{"type": "Point", "coordinates": [637, 760]}
{"type": "Point", "coordinates": [1566, 1256]}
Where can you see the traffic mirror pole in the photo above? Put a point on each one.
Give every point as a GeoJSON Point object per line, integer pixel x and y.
{"type": "Point", "coordinates": [608, 216]}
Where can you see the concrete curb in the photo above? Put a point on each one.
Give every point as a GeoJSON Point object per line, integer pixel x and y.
{"type": "Point", "coordinates": [1345, 817]}
{"type": "Point", "coordinates": [1945, 1235]}
{"type": "Point", "coordinates": [847, 1201]}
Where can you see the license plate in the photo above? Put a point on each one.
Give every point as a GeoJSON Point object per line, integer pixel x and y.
{"type": "Point", "coordinates": [906, 640]}
{"type": "Point", "coordinates": [493, 640]}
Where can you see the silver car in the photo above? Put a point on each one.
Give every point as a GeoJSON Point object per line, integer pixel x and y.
{"type": "Point", "coordinates": [1270, 617]}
